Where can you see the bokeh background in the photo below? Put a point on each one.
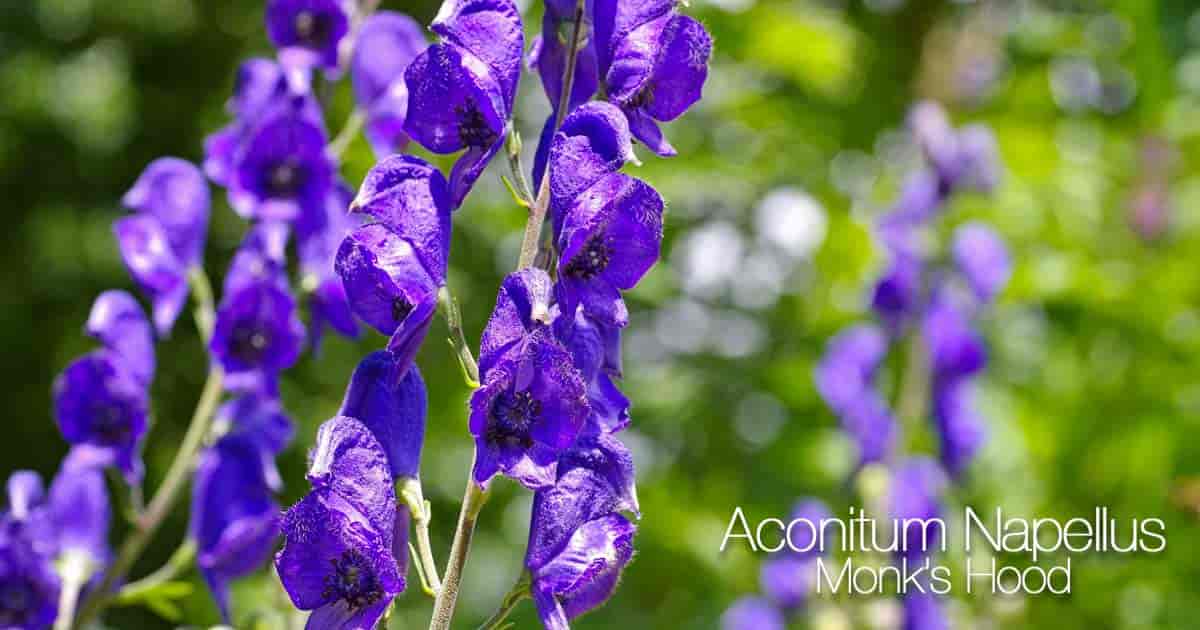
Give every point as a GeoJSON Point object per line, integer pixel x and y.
{"type": "Point", "coordinates": [1092, 397]}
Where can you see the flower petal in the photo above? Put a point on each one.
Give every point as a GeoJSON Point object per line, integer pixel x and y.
{"type": "Point", "coordinates": [392, 403]}
{"type": "Point", "coordinates": [176, 193]}
{"type": "Point", "coordinates": [410, 196]}
{"type": "Point", "coordinates": [117, 321]}
{"type": "Point", "coordinates": [490, 30]}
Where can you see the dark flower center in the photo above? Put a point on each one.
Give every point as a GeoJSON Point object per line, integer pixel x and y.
{"type": "Point", "coordinates": [249, 342]}
{"type": "Point", "coordinates": [109, 422]}
{"type": "Point", "coordinates": [513, 413]}
{"type": "Point", "coordinates": [313, 29]}
{"type": "Point", "coordinates": [400, 308]}
{"type": "Point", "coordinates": [284, 178]}
{"type": "Point", "coordinates": [17, 598]}
{"type": "Point", "coordinates": [472, 127]}
{"type": "Point", "coordinates": [353, 579]}
{"type": "Point", "coordinates": [591, 260]}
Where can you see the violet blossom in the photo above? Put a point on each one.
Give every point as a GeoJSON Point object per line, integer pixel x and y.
{"type": "Point", "coordinates": [385, 45]}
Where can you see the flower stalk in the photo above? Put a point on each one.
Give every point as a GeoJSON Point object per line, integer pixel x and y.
{"type": "Point", "coordinates": [516, 594]}
{"type": "Point", "coordinates": [447, 596]}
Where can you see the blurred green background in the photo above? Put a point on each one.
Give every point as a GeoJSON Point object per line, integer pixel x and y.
{"type": "Point", "coordinates": [1092, 397]}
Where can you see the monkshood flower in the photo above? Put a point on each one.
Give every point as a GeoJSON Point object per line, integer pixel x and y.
{"type": "Point", "coordinates": [522, 306]}
{"type": "Point", "coordinates": [955, 349]}
{"type": "Point", "coordinates": [593, 141]}
{"type": "Point", "coordinates": [164, 238]}
{"type": "Point", "coordinates": [960, 427]}
{"type": "Point", "coordinates": [392, 269]}
{"type": "Point", "coordinates": [916, 486]}
{"type": "Point", "coordinates": [610, 238]}
{"type": "Point", "coordinates": [982, 259]}
{"type": "Point", "coordinates": [257, 417]}
{"type": "Point", "coordinates": [281, 169]}
{"type": "Point", "coordinates": [392, 403]}
{"type": "Point", "coordinates": [461, 90]}
{"type": "Point", "coordinates": [548, 55]}
{"type": "Point", "coordinates": [317, 239]}
{"type": "Point", "coordinates": [385, 45]}
{"type": "Point", "coordinates": [966, 158]}
{"type": "Point", "coordinates": [788, 578]}
{"type": "Point", "coordinates": [258, 332]}
{"type": "Point", "coordinates": [234, 518]}
{"type": "Point", "coordinates": [101, 398]}
{"type": "Point", "coordinates": [80, 513]}
{"type": "Point", "coordinates": [308, 32]}
{"type": "Point", "coordinates": [530, 407]}
{"type": "Point", "coordinates": [340, 555]}
{"type": "Point", "coordinates": [845, 379]}
{"type": "Point", "coordinates": [579, 543]}
{"type": "Point", "coordinates": [30, 585]}
{"type": "Point", "coordinates": [923, 611]}
{"type": "Point", "coordinates": [653, 62]}
{"type": "Point", "coordinates": [753, 613]}
{"type": "Point", "coordinates": [595, 348]}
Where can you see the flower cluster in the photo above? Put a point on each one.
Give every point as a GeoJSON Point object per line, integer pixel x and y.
{"type": "Point", "coordinates": [787, 579]}
{"type": "Point", "coordinates": [926, 301]}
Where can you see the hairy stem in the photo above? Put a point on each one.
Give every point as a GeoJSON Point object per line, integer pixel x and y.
{"type": "Point", "coordinates": [414, 497]}
{"type": "Point", "coordinates": [448, 307]}
{"type": "Point", "coordinates": [177, 475]}
{"type": "Point", "coordinates": [518, 592]}
{"type": "Point", "coordinates": [537, 213]}
{"type": "Point", "coordinates": [447, 597]}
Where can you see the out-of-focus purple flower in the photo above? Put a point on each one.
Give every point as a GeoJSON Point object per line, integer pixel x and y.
{"type": "Point", "coordinates": [594, 141]}
{"type": "Point", "coordinates": [258, 332]}
{"type": "Point", "coordinates": [653, 62]}
{"type": "Point", "coordinates": [530, 407]}
{"type": "Point", "coordinates": [960, 428]}
{"type": "Point", "coordinates": [752, 613]}
{"type": "Point", "coordinates": [982, 258]}
{"type": "Point", "coordinates": [787, 581]}
{"type": "Point", "coordinates": [461, 91]}
{"type": "Point", "coordinates": [257, 417]}
{"type": "Point", "coordinates": [846, 372]}
{"type": "Point", "coordinates": [578, 542]}
{"type": "Point", "coordinates": [410, 197]}
{"type": "Point", "coordinates": [384, 47]}
{"type": "Point", "coordinates": [392, 403]}
{"type": "Point", "coordinates": [966, 158]}
{"type": "Point", "coordinates": [318, 238]}
{"type": "Point", "coordinates": [79, 510]}
{"type": "Point", "coordinates": [234, 518]}
{"type": "Point", "coordinates": [118, 322]}
{"type": "Point", "coordinates": [30, 586]}
{"type": "Point", "coordinates": [548, 56]}
{"type": "Point", "coordinates": [307, 32]}
{"type": "Point", "coordinates": [174, 192]}
{"type": "Point", "coordinates": [342, 548]}
{"type": "Point", "coordinates": [923, 611]}
{"type": "Point", "coordinates": [897, 295]}
{"type": "Point", "coordinates": [916, 487]}
{"type": "Point", "coordinates": [954, 348]}
{"type": "Point", "coordinates": [609, 239]}
{"type": "Point", "coordinates": [281, 171]}
{"type": "Point", "coordinates": [100, 403]}
{"type": "Point", "coordinates": [388, 287]}
{"type": "Point", "coordinates": [154, 266]}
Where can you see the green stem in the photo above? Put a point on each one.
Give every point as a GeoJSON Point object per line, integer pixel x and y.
{"type": "Point", "coordinates": [448, 307]}
{"type": "Point", "coordinates": [413, 496]}
{"type": "Point", "coordinates": [537, 213]}
{"type": "Point", "coordinates": [447, 597]}
{"type": "Point", "coordinates": [513, 149]}
{"type": "Point", "coordinates": [179, 562]}
{"type": "Point", "coordinates": [177, 475]}
{"type": "Point", "coordinates": [342, 141]}
{"type": "Point", "coordinates": [911, 400]}
{"type": "Point", "coordinates": [518, 592]}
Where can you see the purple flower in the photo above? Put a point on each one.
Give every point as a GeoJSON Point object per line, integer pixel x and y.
{"type": "Point", "coordinates": [388, 287]}
{"type": "Point", "coordinates": [967, 158]}
{"type": "Point", "coordinates": [386, 44]}
{"type": "Point", "coordinates": [410, 197]}
{"type": "Point", "coordinates": [461, 91]}
{"type": "Point", "coordinates": [307, 32]}
{"type": "Point", "coordinates": [752, 613]}
{"type": "Point", "coordinates": [118, 322]}
{"type": "Point", "coordinates": [281, 170]}
{"type": "Point", "coordinates": [392, 403]}
{"type": "Point", "coordinates": [174, 192]}
{"type": "Point", "coordinates": [100, 403]}
{"type": "Point", "coordinates": [258, 332]}
{"type": "Point", "coordinates": [653, 62]}
{"type": "Point", "coordinates": [30, 586]}
{"type": "Point", "coordinates": [982, 258]}
{"type": "Point", "coordinates": [595, 348]}
{"type": "Point", "coordinates": [610, 238]}
{"type": "Point", "coordinates": [156, 269]}
{"type": "Point", "coordinates": [897, 295]}
{"type": "Point", "coordinates": [923, 611]}
{"type": "Point", "coordinates": [318, 237]}
{"type": "Point", "coordinates": [594, 141]}
{"type": "Point", "coordinates": [954, 348]}
{"type": "Point", "coordinates": [959, 426]}
{"type": "Point", "coordinates": [578, 542]}
{"type": "Point", "coordinates": [548, 56]}
{"type": "Point", "coordinates": [522, 306]}
{"type": "Point", "coordinates": [530, 407]}
{"type": "Point", "coordinates": [787, 581]}
{"type": "Point", "coordinates": [234, 518]}
{"type": "Point", "coordinates": [845, 379]}
{"type": "Point", "coordinates": [79, 509]}
{"type": "Point", "coordinates": [915, 489]}
{"type": "Point", "coordinates": [257, 417]}
{"type": "Point", "coordinates": [345, 538]}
